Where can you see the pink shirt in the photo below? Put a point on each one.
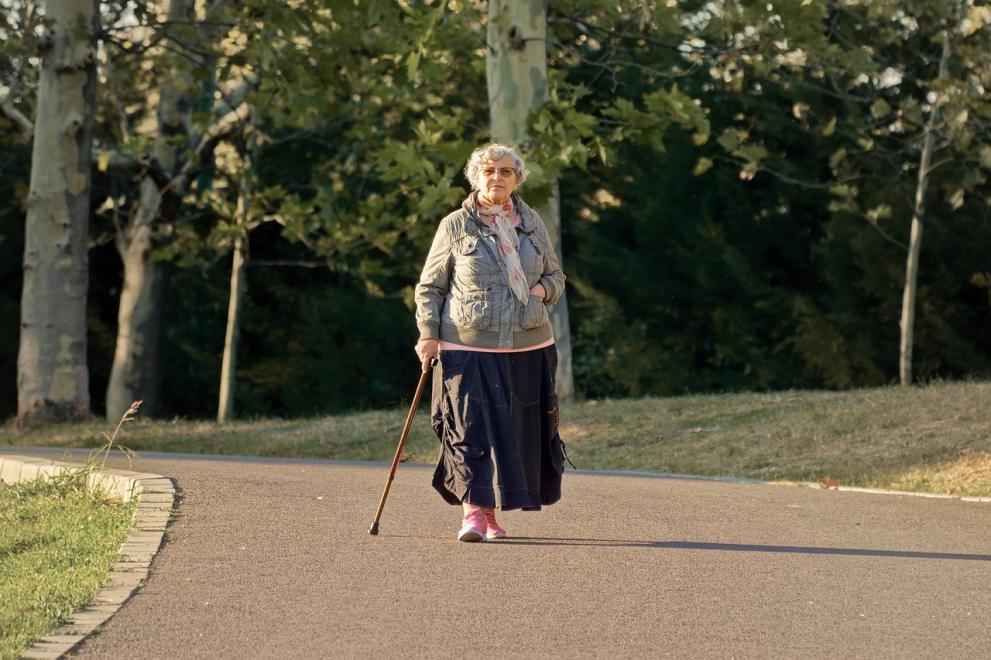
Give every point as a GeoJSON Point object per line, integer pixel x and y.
{"type": "Point", "coordinates": [448, 346]}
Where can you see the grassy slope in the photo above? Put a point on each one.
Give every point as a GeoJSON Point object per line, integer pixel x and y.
{"type": "Point", "coordinates": [934, 438]}
{"type": "Point", "coordinates": [57, 544]}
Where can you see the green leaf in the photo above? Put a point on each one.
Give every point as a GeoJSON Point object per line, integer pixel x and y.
{"type": "Point", "coordinates": [985, 156]}
{"type": "Point", "coordinates": [878, 213]}
{"type": "Point", "coordinates": [729, 140]}
{"type": "Point", "coordinates": [956, 198]}
{"type": "Point", "coordinates": [412, 64]}
{"type": "Point", "coordinates": [838, 157]}
{"type": "Point", "coordinates": [880, 108]}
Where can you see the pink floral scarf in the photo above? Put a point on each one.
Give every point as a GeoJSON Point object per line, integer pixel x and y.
{"type": "Point", "coordinates": [499, 218]}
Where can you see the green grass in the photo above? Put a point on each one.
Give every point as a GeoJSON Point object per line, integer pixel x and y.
{"type": "Point", "coordinates": [58, 541]}
{"type": "Point", "coordinates": [934, 438]}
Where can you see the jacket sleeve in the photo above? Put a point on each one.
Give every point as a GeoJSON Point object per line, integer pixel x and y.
{"type": "Point", "coordinates": [553, 277]}
{"type": "Point", "coordinates": [433, 285]}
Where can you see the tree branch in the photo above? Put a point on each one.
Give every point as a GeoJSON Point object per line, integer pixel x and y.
{"type": "Point", "coordinates": [885, 235]}
{"type": "Point", "coordinates": [125, 124]}
{"type": "Point", "coordinates": [204, 149]}
{"type": "Point", "coordinates": [288, 262]}
{"type": "Point", "coordinates": [123, 159]}
{"type": "Point", "coordinates": [812, 185]}
{"type": "Point", "coordinates": [177, 181]}
{"type": "Point", "coordinates": [233, 99]}
{"type": "Point", "coordinates": [16, 116]}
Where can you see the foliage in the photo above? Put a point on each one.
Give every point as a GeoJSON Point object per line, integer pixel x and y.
{"type": "Point", "coordinates": [795, 94]}
{"type": "Point", "coordinates": [736, 179]}
{"type": "Point", "coordinates": [311, 361]}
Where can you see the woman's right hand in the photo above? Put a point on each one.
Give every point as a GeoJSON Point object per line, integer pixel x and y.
{"type": "Point", "coordinates": [427, 349]}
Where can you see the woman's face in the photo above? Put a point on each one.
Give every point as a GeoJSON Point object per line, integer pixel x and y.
{"type": "Point", "coordinates": [497, 179]}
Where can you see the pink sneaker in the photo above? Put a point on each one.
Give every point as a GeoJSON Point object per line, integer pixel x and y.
{"type": "Point", "coordinates": [494, 530]}
{"type": "Point", "coordinates": [473, 526]}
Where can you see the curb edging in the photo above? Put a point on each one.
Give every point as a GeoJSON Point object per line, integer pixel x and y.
{"type": "Point", "coordinates": [980, 499]}
{"type": "Point", "coordinates": [883, 491]}
{"type": "Point", "coordinates": [155, 496]}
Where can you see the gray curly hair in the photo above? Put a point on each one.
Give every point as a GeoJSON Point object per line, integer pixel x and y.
{"type": "Point", "coordinates": [492, 152]}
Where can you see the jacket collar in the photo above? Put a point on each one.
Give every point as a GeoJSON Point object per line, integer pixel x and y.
{"type": "Point", "coordinates": [528, 222]}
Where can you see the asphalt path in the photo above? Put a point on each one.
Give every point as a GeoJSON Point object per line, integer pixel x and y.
{"type": "Point", "coordinates": [272, 559]}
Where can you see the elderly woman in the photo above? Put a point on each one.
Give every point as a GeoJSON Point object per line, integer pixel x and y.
{"type": "Point", "coordinates": [481, 306]}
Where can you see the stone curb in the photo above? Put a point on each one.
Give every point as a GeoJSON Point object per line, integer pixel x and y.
{"type": "Point", "coordinates": [155, 496]}
{"type": "Point", "coordinates": [882, 491]}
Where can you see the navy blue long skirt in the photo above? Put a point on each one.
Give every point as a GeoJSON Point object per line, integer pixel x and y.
{"type": "Point", "coordinates": [496, 417]}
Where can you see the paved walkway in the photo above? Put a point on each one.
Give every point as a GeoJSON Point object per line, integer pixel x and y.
{"type": "Point", "coordinates": [272, 559]}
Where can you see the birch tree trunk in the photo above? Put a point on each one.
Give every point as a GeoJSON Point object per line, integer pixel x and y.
{"type": "Point", "coordinates": [52, 376]}
{"type": "Point", "coordinates": [909, 294]}
{"type": "Point", "coordinates": [516, 73]}
{"type": "Point", "coordinates": [137, 365]}
{"type": "Point", "coordinates": [135, 372]}
{"type": "Point", "coordinates": [228, 369]}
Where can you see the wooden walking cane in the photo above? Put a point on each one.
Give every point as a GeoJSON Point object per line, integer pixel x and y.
{"type": "Point", "coordinates": [374, 529]}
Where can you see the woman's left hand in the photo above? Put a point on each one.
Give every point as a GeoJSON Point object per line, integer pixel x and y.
{"type": "Point", "coordinates": [538, 290]}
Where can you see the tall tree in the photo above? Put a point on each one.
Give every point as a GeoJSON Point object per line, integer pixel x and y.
{"type": "Point", "coordinates": [52, 378]}
{"type": "Point", "coordinates": [180, 147]}
{"type": "Point", "coordinates": [516, 73]}
{"type": "Point", "coordinates": [240, 226]}
{"type": "Point", "coordinates": [136, 370]}
{"type": "Point", "coordinates": [909, 87]}
{"type": "Point", "coordinates": [910, 292]}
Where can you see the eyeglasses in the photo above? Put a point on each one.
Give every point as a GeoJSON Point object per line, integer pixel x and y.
{"type": "Point", "coordinates": [504, 172]}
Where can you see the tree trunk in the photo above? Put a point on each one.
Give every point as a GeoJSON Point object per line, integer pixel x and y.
{"type": "Point", "coordinates": [225, 407]}
{"type": "Point", "coordinates": [137, 366]}
{"type": "Point", "coordinates": [228, 369]}
{"type": "Point", "coordinates": [907, 324]}
{"type": "Point", "coordinates": [550, 211]}
{"type": "Point", "coordinates": [516, 68]}
{"type": "Point", "coordinates": [135, 374]}
{"type": "Point", "coordinates": [52, 376]}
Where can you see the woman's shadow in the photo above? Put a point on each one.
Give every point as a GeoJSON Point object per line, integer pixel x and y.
{"type": "Point", "coordinates": [741, 547]}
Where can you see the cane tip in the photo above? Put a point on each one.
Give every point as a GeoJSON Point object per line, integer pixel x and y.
{"type": "Point", "coordinates": [374, 529]}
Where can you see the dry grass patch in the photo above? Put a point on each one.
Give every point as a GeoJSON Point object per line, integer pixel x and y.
{"type": "Point", "coordinates": [926, 438]}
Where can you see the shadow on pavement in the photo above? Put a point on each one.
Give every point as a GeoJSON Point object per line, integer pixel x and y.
{"type": "Point", "coordinates": [742, 547]}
